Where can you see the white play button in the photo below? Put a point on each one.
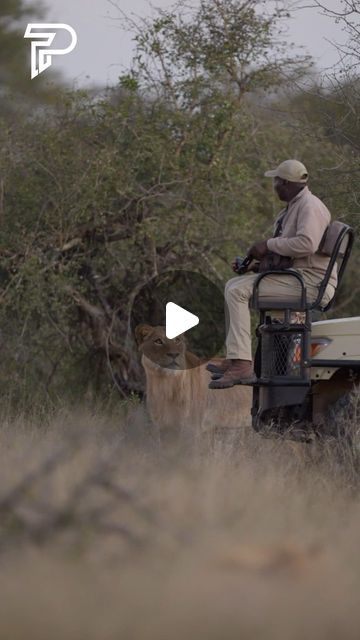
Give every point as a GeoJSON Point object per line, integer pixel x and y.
{"type": "Point", "coordinates": [192, 292]}
{"type": "Point", "coordinates": [178, 320]}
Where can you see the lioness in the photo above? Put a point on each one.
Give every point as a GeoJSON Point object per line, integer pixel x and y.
{"type": "Point", "coordinates": [178, 396]}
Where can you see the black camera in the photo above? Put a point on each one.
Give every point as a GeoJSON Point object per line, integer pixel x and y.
{"type": "Point", "coordinates": [241, 264]}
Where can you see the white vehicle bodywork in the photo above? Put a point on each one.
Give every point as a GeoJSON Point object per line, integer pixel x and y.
{"type": "Point", "coordinates": [339, 340]}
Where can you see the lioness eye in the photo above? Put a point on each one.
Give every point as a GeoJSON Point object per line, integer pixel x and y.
{"type": "Point", "coordinates": [159, 341]}
{"type": "Point", "coordinates": [177, 340]}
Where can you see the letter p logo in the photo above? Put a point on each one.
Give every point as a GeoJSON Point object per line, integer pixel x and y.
{"type": "Point", "coordinates": [41, 54]}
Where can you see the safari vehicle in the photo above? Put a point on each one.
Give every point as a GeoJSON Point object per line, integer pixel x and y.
{"type": "Point", "coordinates": [306, 370]}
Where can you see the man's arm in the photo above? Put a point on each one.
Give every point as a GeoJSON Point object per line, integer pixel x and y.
{"type": "Point", "coordinates": [311, 225]}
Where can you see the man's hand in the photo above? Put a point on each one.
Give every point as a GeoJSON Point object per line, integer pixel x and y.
{"type": "Point", "coordinates": [252, 266]}
{"type": "Point", "coordinates": [258, 250]}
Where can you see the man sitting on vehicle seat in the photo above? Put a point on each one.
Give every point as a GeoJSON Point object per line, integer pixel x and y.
{"type": "Point", "coordinates": [299, 229]}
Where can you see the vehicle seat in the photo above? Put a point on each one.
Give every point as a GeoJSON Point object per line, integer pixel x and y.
{"type": "Point", "coordinates": [337, 243]}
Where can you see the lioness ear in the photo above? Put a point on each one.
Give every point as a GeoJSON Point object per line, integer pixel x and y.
{"type": "Point", "coordinates": [141, 331]}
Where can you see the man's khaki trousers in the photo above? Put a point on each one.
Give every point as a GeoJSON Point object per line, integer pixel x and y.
{"type": "Point", "coordinates": [238, 292]}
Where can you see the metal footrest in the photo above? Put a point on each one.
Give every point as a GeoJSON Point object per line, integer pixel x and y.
{"type": "Point", "coordinates": [280, 382]}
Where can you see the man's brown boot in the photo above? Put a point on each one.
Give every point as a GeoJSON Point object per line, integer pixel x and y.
{"type": "Point", "coordinates": [240, 372]}
{"type": "Point", "coordinates": [219, 367]}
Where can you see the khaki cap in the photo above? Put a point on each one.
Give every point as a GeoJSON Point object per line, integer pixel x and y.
{"type": "Point", "coordinates": [291, 170]}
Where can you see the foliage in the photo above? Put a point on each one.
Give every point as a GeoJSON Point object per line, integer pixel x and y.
{"type": "Point", "coordinates": [164, 170]}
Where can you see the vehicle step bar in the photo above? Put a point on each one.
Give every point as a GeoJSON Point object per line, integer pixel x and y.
{"type": "Point", "coordinates": [264, 382]}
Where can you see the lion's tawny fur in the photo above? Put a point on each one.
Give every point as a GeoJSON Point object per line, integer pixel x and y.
{"type": "Point", "coordinates": [180, 398]}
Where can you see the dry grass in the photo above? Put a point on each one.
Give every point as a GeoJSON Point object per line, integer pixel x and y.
{"type": "Point", "coordinates": [104, 534]}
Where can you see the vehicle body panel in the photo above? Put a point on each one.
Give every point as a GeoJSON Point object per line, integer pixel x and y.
{"type": "Point", "coordinates": [344, 345]}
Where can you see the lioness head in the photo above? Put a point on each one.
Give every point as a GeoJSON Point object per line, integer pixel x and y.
{"type": "Point", "coordinates": [154, 344]}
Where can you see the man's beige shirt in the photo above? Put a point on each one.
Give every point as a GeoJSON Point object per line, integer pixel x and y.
{"type": "Point", "coordinates": [304, 223]}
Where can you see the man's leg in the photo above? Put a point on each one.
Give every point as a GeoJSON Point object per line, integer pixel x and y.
{"type": "Point", "coordinates": [238, 292]}
{"type": "Point", "coordinates": [238, 364]}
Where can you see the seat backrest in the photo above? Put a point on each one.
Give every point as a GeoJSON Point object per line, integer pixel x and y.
{"type": "Point", "coordinates": [336, 243]}
{"type": "Point", "coordinates": [329, 240]}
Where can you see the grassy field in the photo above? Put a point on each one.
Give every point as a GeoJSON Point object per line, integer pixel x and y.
{"type": "Point", "coordinates": [105, 534]}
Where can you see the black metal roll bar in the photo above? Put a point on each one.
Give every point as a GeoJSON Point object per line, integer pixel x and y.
{"type": "Point", "coordinates": [346, 231]}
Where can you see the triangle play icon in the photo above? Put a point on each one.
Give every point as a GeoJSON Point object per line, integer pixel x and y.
{"type": "Point", "coordinates": [178, 320]}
